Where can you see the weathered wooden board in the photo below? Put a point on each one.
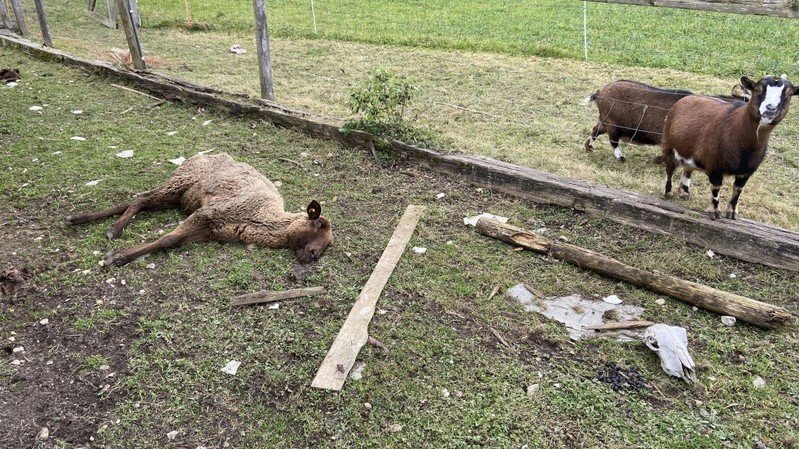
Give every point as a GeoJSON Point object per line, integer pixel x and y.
{"type": "Point", "coordinates": [743, 239]}
{"type": "Point", "coordinates": [708, 298]}
{"type": "Point", "coordinates": [126, 17]}
{"type": "Point", "coordinates": [778, 8]}
{"type": "Point", "coordinates": [42, 15]}
{"type": "Point", "coordinates": [354, 333]}
{"type": "Point", "coordinates": [20, 16]}
{"type": "Point", "coordinates": [272, 296]}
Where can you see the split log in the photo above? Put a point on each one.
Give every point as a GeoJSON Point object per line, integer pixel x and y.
{"type": "Point", "coordinates": [745, 309]}
{"type": "Point", "coordinates": [354, 333]}
{"type": "Point", "coordinates": [272, 296]}
{"type": "Point", "coordinates": [775, 8]}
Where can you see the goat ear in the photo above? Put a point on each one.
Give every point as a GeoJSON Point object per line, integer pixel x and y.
{"type": "Point", "coordinates": [314, 210]}
{"type": "Point", "coordinates": [747, 83]}
{"type": "Point", "coordinates": [795, 90]}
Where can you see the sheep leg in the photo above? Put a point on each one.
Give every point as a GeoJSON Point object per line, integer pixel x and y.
{"type": "Point", "coordinates": [91, 216]}
{"type": "Point", "coordinates": [595, 132]}
{"type": "Point", "coordinates": [196, 228]}
{"type": "Point", "coordinates": [715, 182]}
{"type": "Point", "coordinates": [685, 184]}
{"type": "Point", "coordinates": [152, 200]}
{"type": "Point", "coordinates": [737, 188]}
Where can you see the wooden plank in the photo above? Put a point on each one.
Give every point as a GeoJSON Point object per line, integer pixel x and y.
{"type": "Point", "coordinates": [131, 34]}
{"type": "Point", "coordinates": [618, 325]}
{"type": "Point", "coordinates": [708, 298]}
{"type": "Point", "coordinates": [262, 44]}
{"type": "Point", "coordinates": [4, 17]}
{"type": "Point", "coordinates": [743, 239]}
{"type": "Point", "coordinates": [272, 296]}
{"type": "Point", "coordinates": [42, 15]}
{"type": "Point", "coordinates": [777, 8]}
{"type": "Point", "coordinates": [354, 333]}
{"type": "Point", "coordinates": [23, 27]}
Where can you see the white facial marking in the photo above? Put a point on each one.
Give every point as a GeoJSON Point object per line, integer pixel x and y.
{"type": "Point", "coordinates": [773, 99]}
{"type": "Point", "coordinates": [617, 152]}
{"type": "Point", "coordinates": [685, 181]}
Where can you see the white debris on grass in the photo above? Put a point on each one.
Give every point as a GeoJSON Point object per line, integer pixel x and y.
{"type": "Point", "coordinates": [16, 362]}
{"type": "Point", "coordinates": [54, 153]}
{"type": "Point", "coordinates": [357, 372]}
{"type": "Point", "coordinates": [759, 382]}
{"type": "Point", "coordinates": [660, 301]}
{"type": "Point", "coordinates": [93, 183]}
{"type": "Point", "coordinates": [612, 299]}
{"type": "Point", "coordinates": [43, 434]}
{"type": "Point", "coordinates": [440, 195]}
{"type": "Point", "coordinates": [12, 84]}
{"type": "Point", "coordinates": [733, 275]}
{"type": "Point", "coordinates": [671, 345]}
{"type": "Point", "coordinates": [125, 154]}
{"type": "Point", "coordinates": [472, 221]}
{"type": "Point", "coordinates": [178, 161]}
{"type": "Point", "coordinates": [151, 266]}
{"type": "Point", "coordinates": [35, 108]}
{"type": "Point", "coordinates": [44, 321]}
{"type": "Point", "coordinates": [78, 138]}
{"type": "Point", "coordinates": [576, 312]}
{"type": "Point", "coordinates": [419, 249]}
{"type": "Point", "coordinates": [274, 306]}
{"type": "Point", "coordinates": [171, 133]}
{"type": "Point", "coordinates": [172, 435]}
{"type": "Point", "coordinates": [76, 111]}
{"type": "Point", "coordinates": [18, 349]}
{"type": "Point", "coordinates": [728, 320]}
{"type": "Point", "coordinates": [277, 183]}
{"type": "Point", "coordinates": [231, 367]}
{"type": "Point", "coordinates": [710, 253]}
{"type": "Point", "coordinates": [207, 122]}
{"type": "Point", "coordinates": [237, 49]}
{"type": "Point", "coordinates": [532, 389]}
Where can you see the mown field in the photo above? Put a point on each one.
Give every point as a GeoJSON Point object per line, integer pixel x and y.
{"type": "Point", "coordinates": [129, 355]}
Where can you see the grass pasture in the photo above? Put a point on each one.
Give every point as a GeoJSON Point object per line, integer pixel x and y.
{"type": "Point", "coordinates": [165, 332]}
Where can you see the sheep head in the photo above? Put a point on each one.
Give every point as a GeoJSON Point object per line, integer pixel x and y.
{"type": "Point", "coordinates": [313, 236]}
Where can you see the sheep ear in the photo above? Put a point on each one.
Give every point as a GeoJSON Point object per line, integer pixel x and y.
{"type": "Point", "coordinates": [314, 210]}
{"type": "Point", "coordinates": [747, 83]}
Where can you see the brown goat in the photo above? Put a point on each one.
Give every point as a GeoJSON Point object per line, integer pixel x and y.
{"type": "Point", "coordinates": [724, 138]}
{"type": "Point", "coordinates": [227, 201]}
{"type": "Point", "coordinates": [634, 112]}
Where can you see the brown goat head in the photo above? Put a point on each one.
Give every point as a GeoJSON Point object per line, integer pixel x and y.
{"type": "Point", "coordinates": [315, 235]}
{"type": "Point", "coordinates": [770, 98]}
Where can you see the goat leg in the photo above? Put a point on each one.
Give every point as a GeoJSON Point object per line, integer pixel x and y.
{"type": "Point", "coordinates": [685, 184]}
{"type": "Point", "coordinates": [589, 142]}
{"type": "Point", "coordinates": [715, 182]}
{"type": "Point", "coordinates": [91, 216]}
{"type": "Point", "coordinates": [737, 188]}
{"type": "Point", "coordinates": [196, 228]}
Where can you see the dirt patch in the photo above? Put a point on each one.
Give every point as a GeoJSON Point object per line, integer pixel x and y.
{"type": "Point", "coordinates": [12, 279]}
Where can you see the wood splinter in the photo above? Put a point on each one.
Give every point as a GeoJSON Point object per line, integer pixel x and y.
{"type": "Point", "coordinates": [618, 325]}
{"type": "Point", "coordinates": [272, 296]}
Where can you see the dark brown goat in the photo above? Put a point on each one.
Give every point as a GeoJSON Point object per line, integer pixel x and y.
{"type": "Point", "coordinates": [724, 138]}
{"type": "Point", "coordinates": [227, 201]}
{"type": "Point", "coordinates": [634, 112]}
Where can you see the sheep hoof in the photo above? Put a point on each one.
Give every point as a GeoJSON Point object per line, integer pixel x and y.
{"type": "Point", "coordinates": [714, 214]}
{"type": "Point", "coordinates": [684, 195]}
{"type": "Point", "coordinates": [668, 195]}
{"type": "Point", "coordinates": [115, 259]}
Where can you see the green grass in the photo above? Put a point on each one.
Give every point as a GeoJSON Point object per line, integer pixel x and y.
{"type": "Point", "coordinates": [167, 331]}
{"type": "Point", "coordinates": [702, 42]}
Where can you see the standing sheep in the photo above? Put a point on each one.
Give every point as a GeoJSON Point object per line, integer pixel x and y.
{"type": "Point", "coordinates": [227, 201]}
{"type": "Point", "coordinates": [724, 138]}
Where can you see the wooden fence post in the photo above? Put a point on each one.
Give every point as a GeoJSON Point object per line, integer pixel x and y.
{"type": "Point", "coordinates": [131, 34]}
{"type": "Point", "coordinates": [6, 20]}
{"type": "Point", "coordinates": [262, 43]}
{"type": "Point", "coordinates": [48, 41]}
{"type": "Point", "coordinates": [23, 28]}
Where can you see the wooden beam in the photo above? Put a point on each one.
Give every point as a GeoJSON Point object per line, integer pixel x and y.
{"type": "Point", "coordinates": [272, 296]}
{"type": "Point", "coordinates": [354, 333]}
{"type": "Point", "coordinates": [262, 44]}
{"type": "Point", "coordinates": [777, 8]}
{"type": "Point", "coordinates": [618, 325]}
{"type": "Point", "coordinates": [23, 27]}
{"type": "Point", "coordinates": [42, 15]}
{"type": "Point", "coordinates": [131, 34]}
{"type": "Point", "coordinates": [5, 19]}
{"type": "Point", "coordinates": [745, 309]}
{"type": "Point", "coordinates": [747, 240]}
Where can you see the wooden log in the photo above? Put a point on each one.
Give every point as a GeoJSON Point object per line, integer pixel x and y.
{"type": "Point", "coordinates": [776, 8]}
{"type": "Point", "coordinates": [745, 309]}
{"type": "Point", "coordinates": [743, 239]}
{"type": "Point", "coordinates": [618, 325]}
{"type": "Point", "coordinates": [42, 15]}
{"type": "Point", "coordinates": [131, 34]}
{"type": "Point", "coordinates": [354, 333]}
{"type": "Point", "coordinates": [262, 44]}
{"type": "Point", "coordinates": [23, 27]}
{"type": "Point", "coordinates": [272, 296]}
